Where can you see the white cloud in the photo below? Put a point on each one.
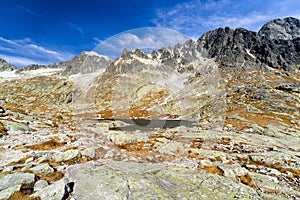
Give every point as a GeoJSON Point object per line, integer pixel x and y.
{"type": "Point", "coordinates": [196, 17]}
{"type": "Point", "coordinates": [25, 51]}
{"type": "Point", "coordinates": [42, 49]}
{"type": "Point", "coordinates": [75, 27]}
{"type": "Point", "coordinates": [20, 61]}
{"type": "Point", "coordinates": [29, 11]}
{"type": "Point", "coordinates": [148, 38]}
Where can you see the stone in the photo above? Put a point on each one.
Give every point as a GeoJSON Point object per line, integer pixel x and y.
{"type": "Point", "coordinates": [15, 126]}
{"type": "Point", "coordinates": [9, 169]}
{"type": "Point", "coordinates": [40, 184]}
{"type": "Point", "coordinates": [90, 152]}
{"type": "Point", "coordinates": [171, 148]}
{"type": "Point", "coordinates": [67, 155]}
{"type": "Point", "coordinates": [8, 192]}
{"type": "Point", "coordinates": [18, 178]}
{"type": "Point", "coordinates": [55, 191]}
{"type": "Point", "coordinates": [29, 160]}
{"type": "Point", "coordinates": [120, 138]}
{"type": "Point", "coordinates": [44, 168]}
{"type": "Point", "coordinates": [233, 170]}
{"type": "Point", "coordinates": [2, 110]}
{"type": "Point", "coordinates": [127, 180]}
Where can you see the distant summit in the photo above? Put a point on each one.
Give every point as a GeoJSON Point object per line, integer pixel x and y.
{"type": "Point", "coordinates": [276, 45]}
{"type": "Point", "coordinates": [5, 66]}
{"type": "Point", "coordinates": [85, 62]}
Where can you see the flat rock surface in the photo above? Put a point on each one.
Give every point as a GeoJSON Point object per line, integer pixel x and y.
{"type": "Point", "coordinates": [119, 180]}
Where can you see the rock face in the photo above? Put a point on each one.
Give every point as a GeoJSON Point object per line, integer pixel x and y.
{"type": "Point", "coordinates": [276, 45]}
{"type": "Point", "coordinates": [5, 66]}
{"type": "Point", "coordinates": [86, 62]}
{"type": "Point", "coordinates": [118, 180]}
{"type": "Point", "coordinates": [282, 29]}
{"type": "Point", "coordinates": [31, 67]}
{"type": "Point", "coordinates": [111, 134]}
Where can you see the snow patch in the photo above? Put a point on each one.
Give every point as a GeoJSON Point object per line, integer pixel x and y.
{"type": "Point", "coordinates": [93, 53]}
{"type": "Point", "coordinates": [250, 54]}
{"type": "Point", "coordinates": [8, 75]}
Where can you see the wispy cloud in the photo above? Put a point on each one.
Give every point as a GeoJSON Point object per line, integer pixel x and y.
{"type": "Point", "coordinates": [142, 38]}
{"type": "Point", "coordinates": [29, 11]}
{"type": "Point", "coordinates": [25, 52]}
{"type": "Point", "coordinates": [196, 17]}
{"type": "Point", "coordinates": [75, 27]}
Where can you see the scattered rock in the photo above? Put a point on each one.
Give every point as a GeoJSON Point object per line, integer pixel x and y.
{"type": "Point", "coordinates": [8, 192]}
{"type": "Point", "coordinates": [18, 178]}
{"type": "Point", "coordinates": [55, 191]}
{"type": "Point", "coordinates": [90, 152]}
{"type": "Point", "coordinates": [44, 168]}
{"type": "Point", "coordinates": [15, 126]}
{"type": "Point", "coordinates": [40, 184]}
{"type": "Point", "coordinates": [67, 155]}
{"type": "Point", "coordinates": [2, 110]}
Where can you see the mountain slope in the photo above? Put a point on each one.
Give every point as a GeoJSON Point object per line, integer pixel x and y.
{"type": "Point", "coordinates": [247, 49]}
{"type": "Point", "coordinates": [5, 66]}
{"type": "Point", "coordinates": [91, 133]}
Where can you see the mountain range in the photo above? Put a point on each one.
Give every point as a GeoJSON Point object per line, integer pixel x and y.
{"type": "Point", "coordinates": [214, 118]}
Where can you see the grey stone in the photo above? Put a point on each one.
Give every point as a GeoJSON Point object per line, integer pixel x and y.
{"type": "Point", "coordinates": [171, 148]}
{"type": "Point", "coordinates": [44, 168]}
{"type": "Point", "coordinates": [90, 152]}
{"type": "Point", "coordinates": [2, 110]}
{"type": "Point", "coordinates": [8, 169]}
{"type": "Point", "coordinates": [126, 180]}
{"type": "Point", "coordinates": [8, 192]}
{"type": "Point", "coordinates": [15, 126]}
{"type": "Point", "coordinates": [55, 191]}
{"type": "Point", "coordinates": [67, 155]}
{"type": "Point", "coordinates": [16, 179]}
{"type": "Point", "coordinates": [40, 184]}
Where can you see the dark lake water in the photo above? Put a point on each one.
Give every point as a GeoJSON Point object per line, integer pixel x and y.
{"type": "Point", "coordinates": [144, 124]}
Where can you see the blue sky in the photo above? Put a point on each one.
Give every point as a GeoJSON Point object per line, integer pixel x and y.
{"type": "Point", "coordinates": [47, 31]}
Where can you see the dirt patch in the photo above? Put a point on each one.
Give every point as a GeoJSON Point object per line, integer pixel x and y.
{"type": "Point", "coordinates": [48, 145]}
{"type": "Point", "coordinates": [3, 130]}
{"type": "Point", "coordinates": [247, 180]}
{"type": "Point", "coordinates": [51, 177]}
{"type": "Point", "coordinates": [214, 170]}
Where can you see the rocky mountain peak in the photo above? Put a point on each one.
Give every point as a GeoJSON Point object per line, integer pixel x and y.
{"type": "Point", "coordinates": [276, 45]}
{"type": "Point", "coordinates": [5, 66]}
{"type": "Point", "coordinates": [283, 29]}
{"type": "Point", "coordinates": [129, 54]}
{"type": "Point", "coordinates": [86, 62]}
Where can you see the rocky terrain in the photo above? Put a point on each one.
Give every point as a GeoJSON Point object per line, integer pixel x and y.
{"type": "Point", "coordinates": [98, 129]}
{"type": "Point", "coordinates": [5, 66]}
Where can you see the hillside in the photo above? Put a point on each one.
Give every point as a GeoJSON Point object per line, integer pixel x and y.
{"type": "Point", "coordinates": [215, 118]}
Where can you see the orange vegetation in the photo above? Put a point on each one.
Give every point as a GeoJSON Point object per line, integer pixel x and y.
{"type": "Point", "coordinates": [247, 180]}
{"type": "Point", "coordinates": [214, 170]}
{"type": "Point", "coordinates": [48, 145]}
